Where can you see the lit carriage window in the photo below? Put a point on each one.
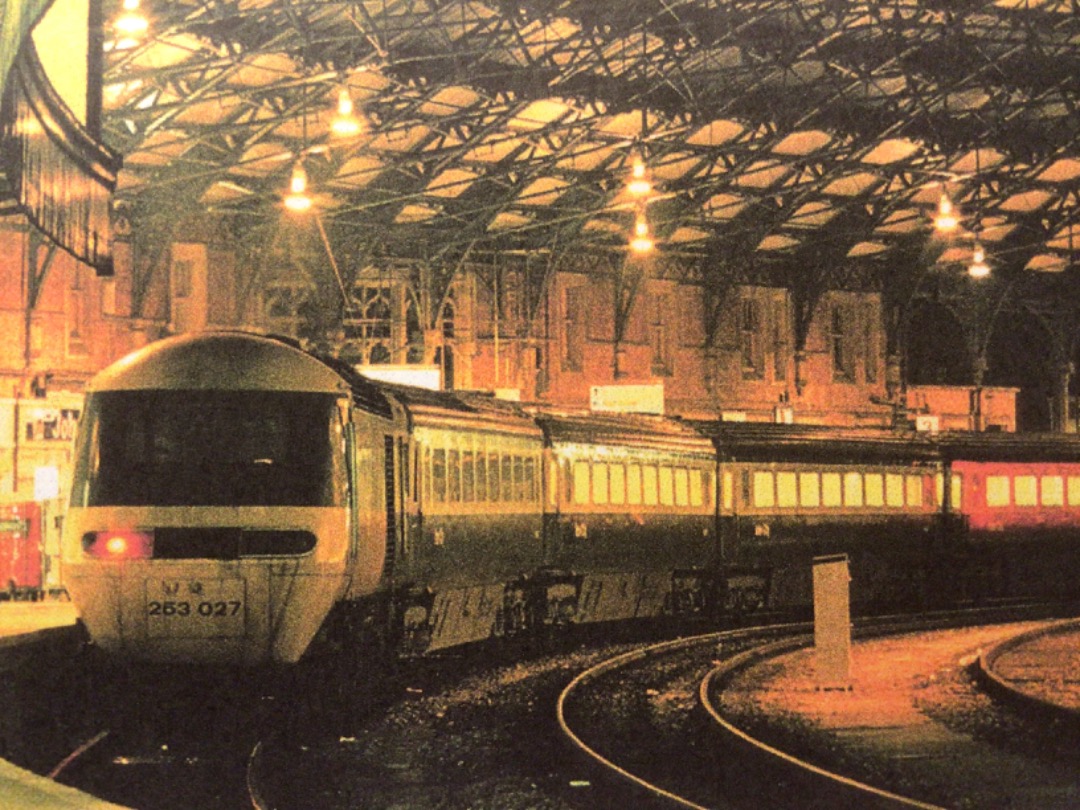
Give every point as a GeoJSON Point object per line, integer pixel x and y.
{"type": "Point", "coordinates": [1052, 490]}
{"type": "Point", "coordinates": [728, 494]}
{"type": "Point", "coordinates": [521, 486]}
{"type": "Point", "coordinates": [599, 483]}
{"type": "Point", "coordinates": [667, 486]}
{"type": "Point", "coordinates": [648, 485]}
{"type": "Point", "coordinates": [438, 475]}
{"type": "Point", "coordinates": [633, 484]}
{"type": "Point", "coordinates": [894, 489]}
{"type": "Point", "coordinates": [832, 490]}
{"type": "Point", "coordinates": [787, 492]}
{"type": "Point", "coordinates": [853, 489]}
{"type": "Point", "coordinates": [697, 488]}
{"type": "Point", "coordinates": [874, 491]}
{"type": "Point", "coordinates": [1074, 490]}
{"type": "Point", "coordinates": [532, 483]}
{"type": "Point", "coordinates": [581, 481]}
{"type": "Point", "coordinates": [617, 482]}
{"type": "Point", "coordinates": [506, 488]}
{"type": "Point", "coordinates": [764, 489]}
{"type": "Point", "coordinates": [453, 469]}
{"type": "Point", "coordinates": [682, 486]}
{"type": "Point", "coordinates": [914, 486]}
{"type": "Point", "coordinates": [809, 489]}
{"type": "Point", "coordinates": [468, 477]}
{"type": "Point", "coordinates": [1025, 490]}
{"type": "Point", "coordinates": [997, 490]}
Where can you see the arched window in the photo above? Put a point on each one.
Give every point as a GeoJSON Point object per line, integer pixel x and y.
{"type": "Point", "coordinates": [287, 308]}
{"type": "Point", "coordinates": [369, 322]}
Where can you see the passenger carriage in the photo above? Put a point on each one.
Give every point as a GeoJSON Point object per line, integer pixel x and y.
{"type": "Point", "coordinates": [475, 517]}
{"type": "Point", "coordinates": [792, 493]}
{"type": "Point", "coordinates": [631, 506]}
{"type": "Point", "coordinates": [1021, 512]}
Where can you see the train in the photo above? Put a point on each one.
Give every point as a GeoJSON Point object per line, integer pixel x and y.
{"type": "Point", "coordinates": [23, 562]}
{"type": "Point", "coordinates": [237, 500]}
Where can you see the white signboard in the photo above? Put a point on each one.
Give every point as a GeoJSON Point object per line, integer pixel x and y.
{"type": "Point", "coordinates": [46, 483]}
{"type": "Point", "coordinates": [407, 374]}
{"type": "Point", "coordinates": [627, 398]}
{"type": "Point", "coordinates": [927, 423]}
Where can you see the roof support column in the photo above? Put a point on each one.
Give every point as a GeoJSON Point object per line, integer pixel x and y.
{"type": "Point", "coordinates": [1061, 419]}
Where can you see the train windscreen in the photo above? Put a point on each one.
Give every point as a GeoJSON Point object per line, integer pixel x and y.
{"type": "Point", "coordinates": [209, 448]}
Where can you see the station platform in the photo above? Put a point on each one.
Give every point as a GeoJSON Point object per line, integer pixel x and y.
{"type": "Point", "coordinates": [914, 721]}
{"type": "Point", "coordinates": [20, 624]}
{"type": "Point", "coordinates": [22, 618]}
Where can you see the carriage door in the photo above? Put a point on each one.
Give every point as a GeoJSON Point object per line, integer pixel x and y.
{"type": "Point", "coordinates": [406, 496]}
{"type": "Point", "coordinates": [396, 483]}
{"type": "Point", "coordinates": [353, 494]}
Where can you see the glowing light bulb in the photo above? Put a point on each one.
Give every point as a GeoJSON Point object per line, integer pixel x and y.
{"type": "Point", "coordinates": [345, 123]}
{"type": "Point", "coordinates": [642, 241]}
{"type": "Point", "coordinates": [132, 23]}
{"type": "Point", "coordinates": [978, 267]}
{"type": "Point", "coordinates": [639, 184]}
{"type": "Point", "coordinates": [946, 218]}
{"type": "Point", "coordinates": [297, 199]}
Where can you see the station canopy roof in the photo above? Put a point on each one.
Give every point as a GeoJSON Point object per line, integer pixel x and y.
{"type": "Point", "coordinates": [775, 132]}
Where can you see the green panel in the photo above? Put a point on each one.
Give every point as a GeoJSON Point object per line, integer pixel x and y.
{"type": "Point", "coordinates": [17, 18]}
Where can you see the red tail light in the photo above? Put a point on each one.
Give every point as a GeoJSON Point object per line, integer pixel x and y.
{"type": "Point", "coordinates": [119, 545]}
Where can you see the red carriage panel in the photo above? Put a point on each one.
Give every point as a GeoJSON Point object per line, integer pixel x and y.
{"type": "Point", "coordinates": [20, 549]}
{"type": "Point", "coordinates": [1000, 495]}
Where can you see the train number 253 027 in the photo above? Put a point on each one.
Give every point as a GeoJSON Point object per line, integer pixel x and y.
{"type": "Point", "coordinates": [206, 609]}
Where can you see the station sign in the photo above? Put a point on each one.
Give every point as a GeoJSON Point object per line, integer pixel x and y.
{"type": "Point", "coordinates": [44, 423]}
{"type": "Point", "coordinates": [627, 398]}
{"type": "Point", "coordinates": [421, 376]}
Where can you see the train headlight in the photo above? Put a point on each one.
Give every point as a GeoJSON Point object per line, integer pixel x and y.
{"type": "Point", "coordinates": [119, 545]}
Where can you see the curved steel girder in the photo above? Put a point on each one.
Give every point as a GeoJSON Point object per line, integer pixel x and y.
{"type": "Point", "coordinates": [946, 76]}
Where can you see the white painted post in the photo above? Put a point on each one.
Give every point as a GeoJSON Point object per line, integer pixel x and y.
{"type": "Point", "coordinates": [832, 622]}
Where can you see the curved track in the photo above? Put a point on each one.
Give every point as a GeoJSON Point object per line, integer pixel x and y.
{"type": "Point", "coordinates": [179, 749]}
{"type": "Point", "coordinates": [1060, 710]}
{"type": "Point", "coordinates": [638, 719]}
{"type": "Point", "coordinates": [793, 774]}
{"type": "Point", "coordinates": [609, 712]}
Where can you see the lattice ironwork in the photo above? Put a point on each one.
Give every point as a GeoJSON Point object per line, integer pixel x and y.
{"type": "Point", "coordinates": [787, 136]}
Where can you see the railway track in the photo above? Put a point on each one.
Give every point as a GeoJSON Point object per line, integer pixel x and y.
{"type": "Point", "coordinates": [174, 751]}
{"type": "Point", "coordinates": [646, 723]}
{"type": "Point", "coordinates": [609, 712]}
{"type": "Point", "coordinates": [221, 743]}
{"type": "Point", "coordinates": [636, 717]}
